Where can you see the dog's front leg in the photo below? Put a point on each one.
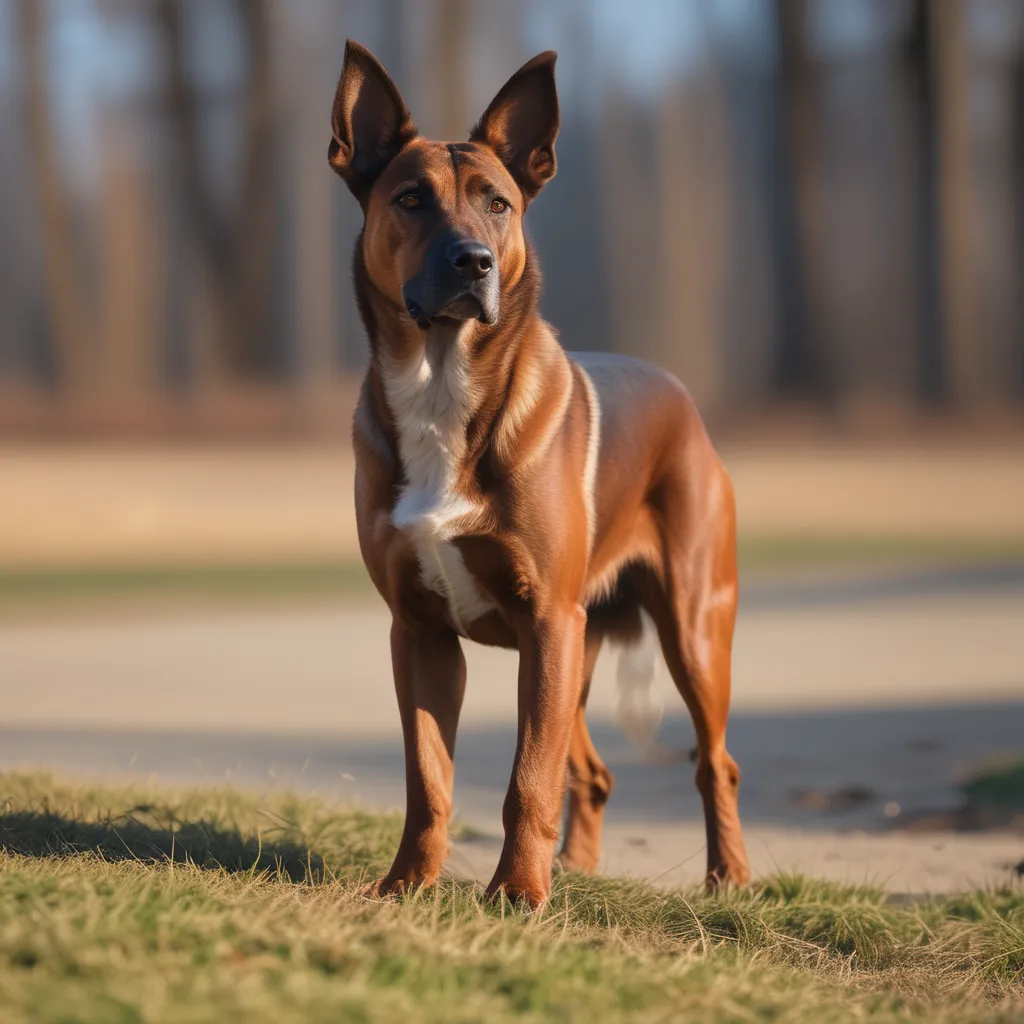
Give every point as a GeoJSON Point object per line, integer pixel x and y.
{"type": "Point", "coordinates": [430, 679]}
{"type": "Point", "coordinates": [550, 679]}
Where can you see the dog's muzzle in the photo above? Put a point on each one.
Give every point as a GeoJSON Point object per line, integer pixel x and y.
{"type": "Point", "coordinates": [459, 281]}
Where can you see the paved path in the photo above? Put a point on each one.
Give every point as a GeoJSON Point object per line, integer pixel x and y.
{"type": "Point", "coordinates": [890, 689]}
{"type": "Point", "coordinates": [318, 669]}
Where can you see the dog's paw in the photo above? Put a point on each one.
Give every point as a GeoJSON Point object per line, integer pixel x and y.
{"type": "Point", "coordinates": [395, 886]}
{"type": "Point", "coordinates": [527, 897]}
{"type": "Point", "coordinates": [386, 888]}
{"type": "Point", "coordinates": [727, 876]}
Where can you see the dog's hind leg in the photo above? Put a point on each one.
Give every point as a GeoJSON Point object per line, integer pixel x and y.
{"type": "Point", "coordinates": [590, 782]}
{"type": "Point", "coordinates": [695, 612]}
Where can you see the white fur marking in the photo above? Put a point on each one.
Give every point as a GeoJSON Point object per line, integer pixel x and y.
{"type": "Point", "coordinates": [431, 401]}
{"type": "Point", "coordinates": [593, 449]}
{"type": "Point", "coordinates": [554, 424]}
{"type": "Point", "coordinates": [525, 400]}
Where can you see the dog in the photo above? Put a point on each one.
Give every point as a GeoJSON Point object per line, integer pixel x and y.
{"type": "Point", "coordinates": [511, 494]}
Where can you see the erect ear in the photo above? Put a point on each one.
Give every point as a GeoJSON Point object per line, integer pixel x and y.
{"type": "Point", "coordinates": [521, 124]}
{"type": "Point", "coordinates": [369, 121]}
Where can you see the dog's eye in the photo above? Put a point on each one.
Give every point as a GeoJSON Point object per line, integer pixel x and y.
{"type": "Point", "coordinates": [498, 206]}
{"type": "Point", "coordinates": [409, 201]}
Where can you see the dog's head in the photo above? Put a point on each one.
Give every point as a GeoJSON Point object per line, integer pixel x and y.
{"type": "Point", "coordinates": [443, 233]}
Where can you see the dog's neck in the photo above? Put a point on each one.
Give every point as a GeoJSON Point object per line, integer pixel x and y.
{"type": "Point", "coordinates": [457, 399]}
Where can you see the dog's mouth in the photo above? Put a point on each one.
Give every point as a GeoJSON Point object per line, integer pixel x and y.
{"type": "Point", "coordinates": [474, 304]}
{"type": "Point", "coordinates": [463, 307]}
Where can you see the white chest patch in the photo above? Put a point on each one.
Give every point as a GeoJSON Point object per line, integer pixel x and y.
{"type": "Point", "coordinates": [431, 402]}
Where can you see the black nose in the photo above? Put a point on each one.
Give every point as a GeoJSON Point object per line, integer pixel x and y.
{"type": "Point", "coordinates": [471, 259]}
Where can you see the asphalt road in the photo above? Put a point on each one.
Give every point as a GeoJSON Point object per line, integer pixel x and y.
{"type": "Point", "coordinates": [888, 690]}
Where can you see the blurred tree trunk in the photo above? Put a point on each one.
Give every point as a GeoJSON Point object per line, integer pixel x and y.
{"type": "Point", "coordinates": [693, 225]}
{"type": "Point", "coordinates": [803, 365]}
{"type": "Point", "coordinates": [207, 226]}
{"type": "Point", "coordinates": [630, 224]}
{"type": "Point", "coordinates": [665, 175]}
{"type": "Point", "coordinates": [255, 228]}
{"type": "Point", "coordinates": [956, 215]}
{"type": "Point", "coordinates": [237, 245]}
{"type": "Point", "coordinates": [931, 376]}
{"type": "Point", "coordinates": [70, 313]}
{"type": "Point", "coordinates": [450, 42]}
{"type": "Point", "coordinates": [1018, 213]}
{"type": "Point", "coordinates": [134, 268]}
{"type": "Point", "coordinates": [313, 193]}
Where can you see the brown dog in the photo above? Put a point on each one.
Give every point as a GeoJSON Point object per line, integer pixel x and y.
{"type": "Point", "coordinates": [512, 495]}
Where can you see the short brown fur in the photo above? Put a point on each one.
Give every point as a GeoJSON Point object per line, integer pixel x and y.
{"type": "Point", "coordinates": [553, 567]}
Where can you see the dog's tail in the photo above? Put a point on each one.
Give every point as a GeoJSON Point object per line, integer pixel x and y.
{"type": "Point", "coordinates": [641, 708]}
{"type": "Point", "coordinates": [639, 712]}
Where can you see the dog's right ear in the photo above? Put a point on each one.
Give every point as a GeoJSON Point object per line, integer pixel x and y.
{"type": "Point", "coordinates": [369, 121]}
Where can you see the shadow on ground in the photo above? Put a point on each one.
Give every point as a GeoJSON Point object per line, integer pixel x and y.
{"type": "Point", "coordinates": [863, 769]}
{"type": "Point", "coordinates": [128, 836]}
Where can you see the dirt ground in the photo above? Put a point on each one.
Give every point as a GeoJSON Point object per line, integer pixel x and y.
{"type": "Point", "coordinates": [114, 505]}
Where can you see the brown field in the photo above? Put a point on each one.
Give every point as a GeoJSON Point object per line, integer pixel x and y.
{"type": "Point", "coordinates": [110, 505]}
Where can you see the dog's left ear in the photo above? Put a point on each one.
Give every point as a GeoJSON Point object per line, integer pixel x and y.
{"type": "Point", "coordinates": [521, 124]}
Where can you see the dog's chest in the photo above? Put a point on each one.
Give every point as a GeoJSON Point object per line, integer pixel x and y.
{"type": "Point", "coordinates": [430, 401]}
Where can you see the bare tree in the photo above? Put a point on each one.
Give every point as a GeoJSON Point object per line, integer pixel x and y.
{"type": "Point", "coordinates": [955, 197]}
{"type": "Point", "coordinates": [127, 217]}
{"type": "Point", "coordinates": [1018, 213]}
{"type": "Point", "coordinates": [919, 56]}
{"type": "Point", "coordinates": [693, 221]}
{"type": "Point", "coordinates": [314, 323]}
{"type": "Point", "coordinates": [627, 143]}
{"type": "Point", "coordinates": [803, 363]}
{"type": "Point", "coordinates": [236, 245]}
{"type": "Point", "coordinates": [450, 46]}
{"type": "Point", "coordinates": [71, 314]}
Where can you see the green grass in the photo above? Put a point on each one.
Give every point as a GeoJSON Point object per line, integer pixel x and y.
{"type": "Point", "coordinates": [71, 585]}
{"type": "Point", "coordinates": [876, 551]}
{"type": "Point", "coordinates": [142, 904]}
{"type": "Point", "coordinates": [75, 585]}
{"type": "Point", "coordinates": [1001, 786]}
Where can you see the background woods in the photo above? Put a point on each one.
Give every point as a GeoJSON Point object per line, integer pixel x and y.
{"type": "Point", "coordinates": [833, 194]}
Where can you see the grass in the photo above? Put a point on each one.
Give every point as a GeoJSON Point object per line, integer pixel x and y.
{"type": "Point", "coordinates": [1001, 786]}
{"type": "Point", "coordinates": [143, 904]}
{"type": "Point", "coordinates": [70, 585]}
{"type": "Point", "coordinates": [33, 586]}
{"type": "Point", "coordinates": [877, 551]}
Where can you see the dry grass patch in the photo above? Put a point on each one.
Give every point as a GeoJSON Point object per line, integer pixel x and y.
{"type": "Point", "coordinates": [144, 904]}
